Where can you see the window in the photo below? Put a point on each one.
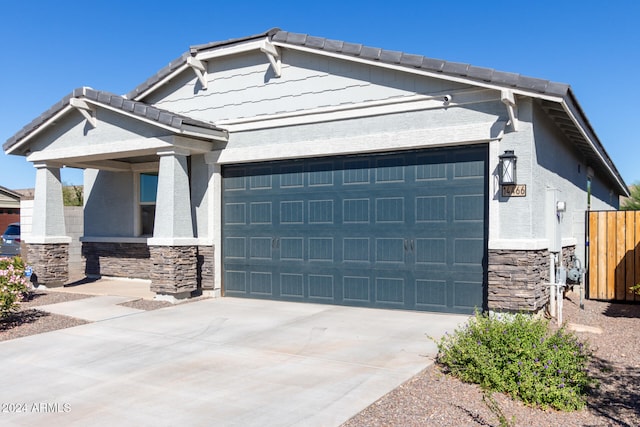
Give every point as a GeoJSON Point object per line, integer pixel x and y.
{"type": "Point", "coordinates": [147, 202]}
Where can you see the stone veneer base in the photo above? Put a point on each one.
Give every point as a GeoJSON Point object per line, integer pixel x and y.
{"type": "Point", "coordinates": [50, 263]}
{"type": "Point", "coordinates": [174, 269]}
{"type": "Point", "coordinates": [117, 259]}
{"type": "Point", "coordinates": [518, 279]}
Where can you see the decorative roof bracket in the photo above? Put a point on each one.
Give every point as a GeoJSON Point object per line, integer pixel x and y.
{"type": "Point", "coordinates": [86, 110]}
{"type": "Point", "coordinates": [508, 99]}
{"type": "Point", "coordinates": [273, 53]}
{"type": "Point", "coordinates": [200, 69]}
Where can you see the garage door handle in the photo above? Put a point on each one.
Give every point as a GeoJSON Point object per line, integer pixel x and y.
{"type": "Point", "coordinates": [408, 245]}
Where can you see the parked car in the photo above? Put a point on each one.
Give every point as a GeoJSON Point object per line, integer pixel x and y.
{"type": "Point", "coordinates": [10, 241]}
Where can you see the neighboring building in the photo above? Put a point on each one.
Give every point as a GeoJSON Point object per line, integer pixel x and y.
{"type": "Point", "coordinates": [9, 208]}
{"type": "Point", "coordinates": [299, 168]}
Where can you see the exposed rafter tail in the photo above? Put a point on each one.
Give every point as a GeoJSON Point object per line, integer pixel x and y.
{"type": "Point", "coordinates": [86, 110]}
{"type": "Point", "coordinates": [273, 54]}
{"type": "Point", "coordinates": [509, 100]}
{"type": "Point", "coordinates": [200, 69]}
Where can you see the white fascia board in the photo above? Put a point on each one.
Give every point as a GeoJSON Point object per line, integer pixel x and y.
{"type": "Point", "coordinates": [417, 71]}
{"type": "Point", "coordinates": [527, 244]}
{"type": "Point", "coordinates": [202, 56]}
{"type": "Point", "coordinates": [173, 241]}
{"type": "Point", "coordinates": [586, 133]}
{"type": "Point", "coordinates": [230, 50]}
{"type": "Point", "coordinates": [44, 240]}
{"type": "Point", "coordinates": [162, 82]}
{"type": "Point", "coordinates": [40, 128]}
{"type": "Point", "coordinates": [190, 145]}
{"type": "Point", "coordinates": [187, 129]}
{"type": "Point", "coordinates": [361, 109]}
{"type": "Point", "coordinates": [106, 151]}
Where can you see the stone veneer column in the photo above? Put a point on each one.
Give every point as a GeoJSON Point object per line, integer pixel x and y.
{"type": "Point", "coordinates": [206, 269]}
{"type": "Point", "coordinates": [173, 248]}
{"type": "Point", "coordinates": [48, 245]}
{"type": "Point", "coordinates": [518, 280]}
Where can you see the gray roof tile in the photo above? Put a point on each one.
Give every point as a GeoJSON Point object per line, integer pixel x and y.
{"type": "Point", "coordinates": [296, 38]}
{"type": "Point", "coordinates": [432, 64]}
{"type": "Point", "coordinates": [480, 73]}
{"type": "Point", "coordinates": [315, 42]}
{"type": "Point", "coordinates": [502, 78]}
{"type": "Point", "coordinates": [332, 45]}
{"type": "Point", "coordinates": [411, 60]}
{"type": "Point", "coordinates": [137, 108]}
{"type": "Point", "coordinates": [370, 52]}
{"type": "Point", "coordinates": [390, 56]}
{"type": "Point", "coordinates": [557, 88]}
{"type": "Point", "coordinates": [351, 48]}
{"type": "Point", "coordinates": [531, 83]}
{"type": "Point", "coordinates": [455, 68]}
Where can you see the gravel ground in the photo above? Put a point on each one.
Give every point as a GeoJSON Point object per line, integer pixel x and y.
{"type": "Point", "coordinates": [432, 398]}
{"type": "Point", "coordinates": [28, 320]}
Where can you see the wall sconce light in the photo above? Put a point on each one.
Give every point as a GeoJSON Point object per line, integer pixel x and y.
{"type": "Point", "coordinates": [508, 168]}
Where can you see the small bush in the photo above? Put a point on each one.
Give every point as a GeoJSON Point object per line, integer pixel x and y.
{"type": "Point", "coordinates": [14, 286]}
{"type": "Point", "coordinates": [518, 355]}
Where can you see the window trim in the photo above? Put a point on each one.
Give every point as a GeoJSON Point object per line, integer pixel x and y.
{"type": "Point", "coordinates": [146, 168]}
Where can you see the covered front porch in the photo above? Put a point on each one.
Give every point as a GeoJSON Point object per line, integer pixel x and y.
{"type": "Point", "coordinates": [149, 191]}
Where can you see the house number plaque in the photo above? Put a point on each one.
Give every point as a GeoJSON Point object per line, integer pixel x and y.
{"type": "Point", "coordinates": [519, 190]}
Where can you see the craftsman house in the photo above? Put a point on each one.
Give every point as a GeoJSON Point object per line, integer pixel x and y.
{"type": "Point", "coordinates": [291, 167]}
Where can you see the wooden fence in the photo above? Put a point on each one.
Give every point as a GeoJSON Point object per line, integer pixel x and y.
{"type": "Point", "coordinates": [614, 255]}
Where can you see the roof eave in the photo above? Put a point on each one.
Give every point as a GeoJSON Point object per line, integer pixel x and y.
{"type": "Point", "coordinates": [575, 111]}
{"type": "Point", "coordinates": [179, 64]}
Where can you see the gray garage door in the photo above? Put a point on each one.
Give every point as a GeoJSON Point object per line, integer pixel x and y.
{"type": "Point", "coordinates": [398, 230]}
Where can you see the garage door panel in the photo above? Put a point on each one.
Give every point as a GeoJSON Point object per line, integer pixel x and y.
{"type": "Point", "coordinates": [431, 294]}
{"type": "Point", "coordinates": [356, 289]}
{"type": "Point", "coordinates": [466, 294]}
{"type": "Point", "coordinates": [406, 230]}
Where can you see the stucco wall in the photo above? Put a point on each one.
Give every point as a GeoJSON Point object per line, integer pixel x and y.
{"type": "Point", "coordinates": [109, 203]}
{"type": "Point", "coordinates": [112, 127]}
{"type": "Point", "coordinates": [244, 86]}
{"type": "Point", "coordinates": [200, 196]}
{"type": "Point", "coordinates": [560, 165]}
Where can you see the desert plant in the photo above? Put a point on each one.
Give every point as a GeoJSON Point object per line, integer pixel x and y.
{"type": "Point", "coordinates": [518, 355]}
{"type": "Point", "coordinates": [14, 286]}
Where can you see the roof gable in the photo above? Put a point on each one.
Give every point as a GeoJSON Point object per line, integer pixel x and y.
{"type": "Point", "coordinates": [557, 98]}
{"type": "Point", "coordinates": [86, 98]}
{"type": "Point", "coordinates": [7, 194]}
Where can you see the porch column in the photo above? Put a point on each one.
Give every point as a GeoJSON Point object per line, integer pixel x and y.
{"type": "Point", "coordinates": [48, 244]}
{"type": "Point", "coordinates": [173, 248]}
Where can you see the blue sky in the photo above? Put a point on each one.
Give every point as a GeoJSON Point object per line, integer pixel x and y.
{"type": "Point", "coordinates": [49, 48]}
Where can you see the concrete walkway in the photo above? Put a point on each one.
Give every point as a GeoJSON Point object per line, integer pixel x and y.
{"type": "Point", "coordinates": [222, 362]}
{"type": "Point", "coordinates": [134, 288]}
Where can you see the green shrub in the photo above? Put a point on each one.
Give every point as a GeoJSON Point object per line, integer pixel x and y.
{"type": "Point", "coordinates": [14, 286]}
{"type": "Point", "coordinates": [518, 355]}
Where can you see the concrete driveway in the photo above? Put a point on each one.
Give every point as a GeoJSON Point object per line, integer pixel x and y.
{"type": "Point", "coordinates": [222, 362]}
